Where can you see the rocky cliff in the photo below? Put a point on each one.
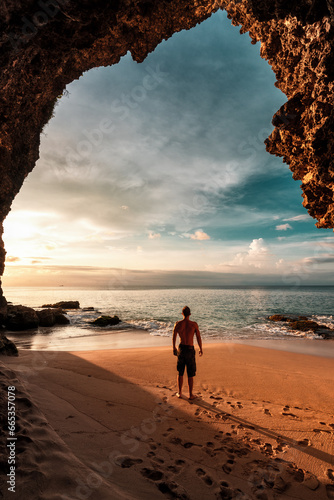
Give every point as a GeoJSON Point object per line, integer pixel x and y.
{"type": "Point", "coordinates": [46, 44]}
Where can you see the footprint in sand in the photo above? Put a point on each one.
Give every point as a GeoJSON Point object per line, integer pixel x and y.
{"type": "Point", "coordinates": [227, 469]}
{"type": "Point", "coordinates": [153, 474]}
{"type": "Point", "coordinates": [330, 491]}
{"type": "Point", "coordinates": [267, 412]}
{"type": "Point", "coordinates": [190, 445]}
{"type": "Point", "coordinates": [169, 430]}
{"type": "Point", "coordinates": [22, 442]}
{"type": "Point", "coordinates": [288, 414]}
{"type": "Point", "coordinates": [22, 401]}
{"type": "Point", "coordinates": [281, 446]}
{"type": "Point", "coordinates": [173, 469]}
{"type": "Point", "coordinates": [126, 462]}
{"type": "Point", "coordinates": [267, 449]}
{"type": "Point", "coordinates": [304, 442]}
{"type": "Point", "coordinates": [330, 474]}
{"type": "Point", "coordinates": [203, 475]}
{"type": "Point", "coordinates": [172, 490]}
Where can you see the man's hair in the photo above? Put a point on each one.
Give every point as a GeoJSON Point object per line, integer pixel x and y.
{"type": "Point", "coordinates": [186, 311]}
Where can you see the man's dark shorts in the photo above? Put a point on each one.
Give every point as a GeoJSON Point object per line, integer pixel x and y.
{"type": "Point", "coordinates": [186, 358]}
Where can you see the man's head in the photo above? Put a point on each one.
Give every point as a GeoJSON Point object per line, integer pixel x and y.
{"type": "Point", "coordinates": [186, 311]}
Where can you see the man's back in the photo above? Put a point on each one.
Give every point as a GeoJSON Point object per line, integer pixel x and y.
{"type": "Point", "coordinates": [186, 329]}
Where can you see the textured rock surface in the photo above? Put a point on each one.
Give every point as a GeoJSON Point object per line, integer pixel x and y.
{"type": "Point", "coordinates": [65, 304]}
{"type": "Point", "coordinates": [303, 324]}
{"type": "Point", "coordinates": [51, 317]}
{"type": "Point", "coordinates": [21, 318]}
{"type": "Point", "coordinates": [46, 45]}
{"type": "Point", "coordinates": [7, 347]}
{"type": "Point", "coordinates": [106, 321]}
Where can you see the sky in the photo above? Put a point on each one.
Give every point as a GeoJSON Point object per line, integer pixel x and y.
{"type": "Point", "coordinates": [156, 174]}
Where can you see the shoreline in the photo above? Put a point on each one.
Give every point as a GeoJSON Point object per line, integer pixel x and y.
{"type": "Point", "coordinates": [134, 337]}
{"type": "Point", "coordinates": [106, 424]}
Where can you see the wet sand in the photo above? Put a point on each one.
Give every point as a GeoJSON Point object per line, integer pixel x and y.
{"type": "Point", "coordinates": [106, 424]}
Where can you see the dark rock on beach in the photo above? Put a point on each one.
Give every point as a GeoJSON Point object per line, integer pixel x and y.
{"type": "Point", "coordinates": [61, 319]}
{"type": "Point", "coordinates": [51, 317]}
{"type": "Point", "coordinates": [7, 347]}
{"type": "Point", "coordinates": [303, 324]}
{"type": "Point", "coordinates": [106, 321]}
{"type": "Point", "coordinates": [21, 318]}
{"type": "Point", "coordinates": [278, 317]}
{"type": "Point", "coordinates": [69, 304]}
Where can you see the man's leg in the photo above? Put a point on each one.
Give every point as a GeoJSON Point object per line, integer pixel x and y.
{"type": "Point", "coordinates": [191, 385]}
{"type": "Point", "coordinates": [179, 384]}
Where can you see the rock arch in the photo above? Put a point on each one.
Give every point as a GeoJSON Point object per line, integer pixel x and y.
{"type": "Point", "coordinates": [46, 44]}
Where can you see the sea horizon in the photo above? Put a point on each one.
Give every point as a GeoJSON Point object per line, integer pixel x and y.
{"type": "Point", "coordinates": [230, 313]}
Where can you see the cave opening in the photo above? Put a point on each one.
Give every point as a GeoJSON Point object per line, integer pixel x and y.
{"type": "Point", "coordinates": [189, 220]}
{"type": "Point", "coordinates": [161, 165]}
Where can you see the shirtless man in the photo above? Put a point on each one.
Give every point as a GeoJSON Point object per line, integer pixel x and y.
{"type": "Point", "coordinates": [186, 329]}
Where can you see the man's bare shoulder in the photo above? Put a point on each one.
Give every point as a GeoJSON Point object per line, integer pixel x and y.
{"type": "Point", "coordinates": [177, 324]}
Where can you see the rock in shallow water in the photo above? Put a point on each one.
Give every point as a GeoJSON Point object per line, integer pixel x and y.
{"type": "Point", "coordinates": [51, 317]}
{"type": "Point", "coordinates": [303, 324]}
{"type": "Point", "coordinates": [65, 304]}
{"type": "Point", "coordinates": [106, 321]}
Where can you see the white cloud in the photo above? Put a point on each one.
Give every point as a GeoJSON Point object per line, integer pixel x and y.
{"type": "Point", "coordinates": [198, 235]}
{"type": "Point", "coordinates": [153, 236]}
{"type": "Point", "coordinates": [256, 256]}
{"type": "Point", "coordinates": [283, 227]}
{"type": "Point", "coordinates": [12, 259]}
{"type": "Point", "coordinates": [297, 218]}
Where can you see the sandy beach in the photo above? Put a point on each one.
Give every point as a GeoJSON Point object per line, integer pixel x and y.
{"type": "Point", "coordinates": [107, 425]}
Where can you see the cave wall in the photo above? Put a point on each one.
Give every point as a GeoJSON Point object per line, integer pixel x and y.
{"type": "Point", "coordinates": [46, 44]}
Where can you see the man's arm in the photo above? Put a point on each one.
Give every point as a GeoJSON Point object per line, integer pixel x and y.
{"type": "Point", "coordinates": [174, 339]}
{"type": "Point", "coordinates": [199, 340]}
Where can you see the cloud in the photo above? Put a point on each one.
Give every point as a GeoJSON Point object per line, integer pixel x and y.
{"type": "Point", "coordinates": [283, 227]}
{"type": "Point", "coordinates": [198, 235]}
{"type": "Point", "coordinates": [257, 256]}
{"type": "Point", "coordinates": [12, 259]}
{"type": "Point", "coordinates": [323, 259]}
{"type": "Point", "coordinates": [153, 236]}
{"type": "Point", "coordinates": [298, 218]}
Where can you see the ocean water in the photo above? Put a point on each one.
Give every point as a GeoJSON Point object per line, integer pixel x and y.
{"type": "Point", "coordinates": [227, 314]}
